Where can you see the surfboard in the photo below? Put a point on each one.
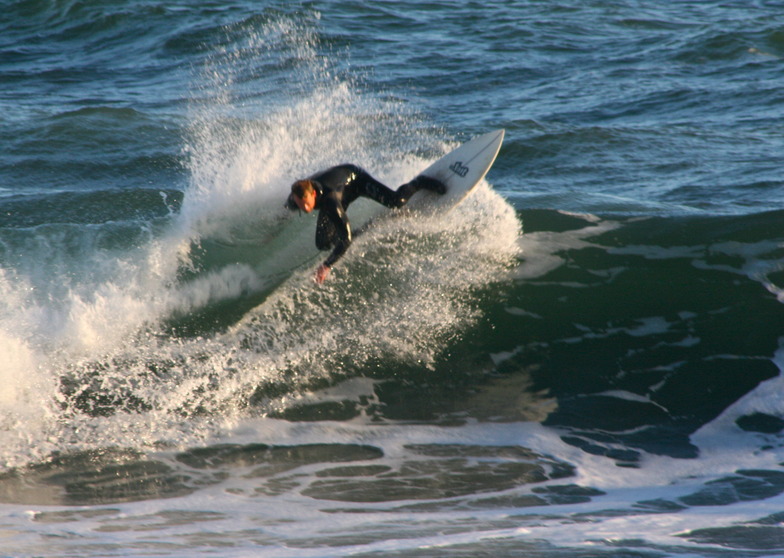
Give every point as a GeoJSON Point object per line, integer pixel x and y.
{"type": "Point", "coordinates": [461, 170]}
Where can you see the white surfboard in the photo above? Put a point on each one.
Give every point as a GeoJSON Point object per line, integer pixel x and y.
{"type": "Point", "coordinates": [462, 169]}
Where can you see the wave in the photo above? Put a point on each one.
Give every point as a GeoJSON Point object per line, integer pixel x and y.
{"type": "Point", "coordinates": [127, 331]}
{"type": "Point", "coordinates": [646, 329]}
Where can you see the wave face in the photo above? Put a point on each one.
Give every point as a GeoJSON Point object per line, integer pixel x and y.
{"type": "Point", "coordinates": [582, 358]}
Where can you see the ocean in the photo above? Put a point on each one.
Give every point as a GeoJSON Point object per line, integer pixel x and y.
{"type": "Point", "coordinates": [582, 359]}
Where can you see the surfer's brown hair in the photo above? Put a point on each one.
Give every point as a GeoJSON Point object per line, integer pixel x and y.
{"type": "Point", "coordinates": [302, 187]}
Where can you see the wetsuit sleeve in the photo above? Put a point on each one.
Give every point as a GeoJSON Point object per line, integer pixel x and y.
{"type": "Point", "coordinates": [333, 229]}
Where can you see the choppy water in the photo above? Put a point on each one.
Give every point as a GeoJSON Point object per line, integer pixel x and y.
{"type": "Point", "coordinates": [584, 359]}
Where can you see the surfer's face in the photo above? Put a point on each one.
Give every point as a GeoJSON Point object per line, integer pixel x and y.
{"type": "Point", "coordinates": [307, 202]}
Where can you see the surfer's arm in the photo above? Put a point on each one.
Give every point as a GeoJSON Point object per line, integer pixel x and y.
{"type": "Point", "coordinates": [333, 229]}
{"type": "Point", "coordinates": [342, 235]}
{"type": "Point", "coordinates": [321, 273]}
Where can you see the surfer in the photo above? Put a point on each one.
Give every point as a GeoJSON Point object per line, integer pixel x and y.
{"type": "Point", "coordinates": [333, 190]}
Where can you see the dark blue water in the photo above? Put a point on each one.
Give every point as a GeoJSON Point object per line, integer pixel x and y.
{"type": "Point", "coordinates": [582, 359]}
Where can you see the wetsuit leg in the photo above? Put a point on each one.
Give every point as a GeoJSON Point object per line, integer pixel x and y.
{"type": "Point", "coordinates": [427, 183]}
{"type": "Point", "coordinates": [364, 184]}
{"type": "Point", "coordinates": [379, 192]}
{"type": "Point", "coordinates": [407, 190]}
{"type": "Point", "coordinates": [391, 198]}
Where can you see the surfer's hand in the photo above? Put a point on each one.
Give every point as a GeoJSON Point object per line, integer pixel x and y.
{"type": "Point", "coordinates": [321, 273]}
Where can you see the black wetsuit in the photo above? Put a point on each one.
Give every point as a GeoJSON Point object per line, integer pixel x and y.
{"type": "Point", "coordinates": [338, 187]}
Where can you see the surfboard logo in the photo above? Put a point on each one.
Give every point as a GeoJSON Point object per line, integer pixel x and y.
{"type": "Point", "coordinates": [459, 169]}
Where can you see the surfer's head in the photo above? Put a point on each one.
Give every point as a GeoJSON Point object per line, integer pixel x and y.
{"type": "Point", "coordinates": [303, 196]}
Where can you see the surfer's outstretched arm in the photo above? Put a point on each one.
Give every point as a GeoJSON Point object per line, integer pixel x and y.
{"type": "Point", "coordinates": [333, 230]}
